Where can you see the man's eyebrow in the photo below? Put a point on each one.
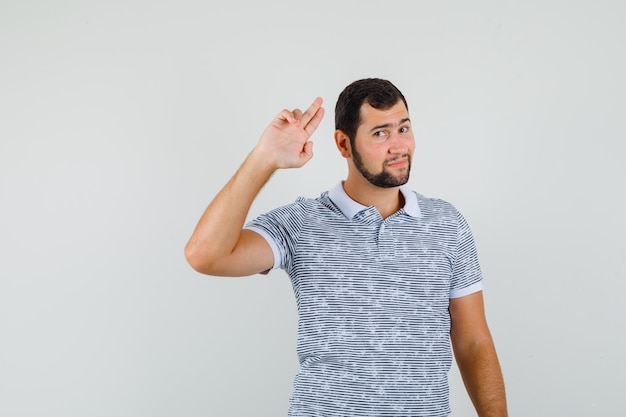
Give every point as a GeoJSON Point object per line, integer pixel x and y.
{"type": "Point", "coordinates": [383, 126]}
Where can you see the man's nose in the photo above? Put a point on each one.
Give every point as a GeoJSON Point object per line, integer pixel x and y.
{"type": "Point", "coordinates": [398, 144]}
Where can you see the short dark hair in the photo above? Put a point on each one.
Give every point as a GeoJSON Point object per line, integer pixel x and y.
{"type": "Point", "coordinates": [380, 94]}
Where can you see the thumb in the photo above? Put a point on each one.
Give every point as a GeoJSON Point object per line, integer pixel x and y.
{"type": "Point", "coordinates": [307, 151]}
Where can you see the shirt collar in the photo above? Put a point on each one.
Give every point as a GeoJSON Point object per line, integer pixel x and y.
{"type": "Point", "coordinates": [350, 208]}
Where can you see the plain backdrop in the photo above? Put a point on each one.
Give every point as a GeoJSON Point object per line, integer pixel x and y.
{"type": "Point", "coordinates": [120, 120]}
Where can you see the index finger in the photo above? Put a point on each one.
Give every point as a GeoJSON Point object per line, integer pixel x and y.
{"type": "Point", "coordinates": [311, 112]}
{"type": "Point", "coordinates": [313, 116]}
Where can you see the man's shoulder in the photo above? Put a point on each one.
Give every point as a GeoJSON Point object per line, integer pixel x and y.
{"type": "Point", "coordinates": [320, 206]}
{"type": "Point", "coordinates": [303, 205]}
{"type": "Point", "coordinates": [430, 206]}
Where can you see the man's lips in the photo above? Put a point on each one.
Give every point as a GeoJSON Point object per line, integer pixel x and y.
{"type": "Point", "coordinates": [397, 163]}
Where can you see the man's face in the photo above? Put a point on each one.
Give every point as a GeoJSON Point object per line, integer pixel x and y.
{"type": "Point", "coordinates": [383, 146]}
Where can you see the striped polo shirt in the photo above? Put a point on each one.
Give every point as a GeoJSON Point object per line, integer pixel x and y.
{"type": "Point", "coordinates": [372, 297]}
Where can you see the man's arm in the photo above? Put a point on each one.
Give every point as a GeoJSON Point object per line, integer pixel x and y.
{"type": "Point", "coordinates": [218, 245]}
{"type": "Point", "coordinates": [476, 356]}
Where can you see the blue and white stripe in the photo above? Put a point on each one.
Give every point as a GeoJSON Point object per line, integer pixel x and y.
{"type": "Point", "coordinates": [372, 297]}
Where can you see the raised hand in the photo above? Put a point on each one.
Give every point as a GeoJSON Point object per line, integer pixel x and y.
{"type": "Point", "coordinates": [218, 245]}
{"type": "Point", "coordinates": [286, 143]}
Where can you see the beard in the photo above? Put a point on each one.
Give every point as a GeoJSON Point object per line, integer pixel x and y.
{"type": "Point", "coordinates": [384, 178]}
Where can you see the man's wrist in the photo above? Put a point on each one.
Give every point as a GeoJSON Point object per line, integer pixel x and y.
{"type": "Point", "coordinates": [261, 163]}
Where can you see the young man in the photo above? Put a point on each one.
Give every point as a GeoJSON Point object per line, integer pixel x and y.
{"type": "Point", "coordinates": [385, 279]}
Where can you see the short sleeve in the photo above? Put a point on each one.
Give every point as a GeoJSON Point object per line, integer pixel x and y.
{"type": "Point", "coordinates": [281, 229]}
{"type": "Point", "coordinates": [466, 273]}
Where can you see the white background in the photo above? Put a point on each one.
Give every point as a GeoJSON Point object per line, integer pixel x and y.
{"type": "Point", "coordinates": [120, 120]}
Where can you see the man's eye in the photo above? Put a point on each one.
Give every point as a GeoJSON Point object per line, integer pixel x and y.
{"type": "Point", "coordinates": [379, 134]}
{"type": "Point", "coordinates": [404, 129]}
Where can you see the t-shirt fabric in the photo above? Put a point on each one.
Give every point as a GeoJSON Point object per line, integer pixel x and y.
{"type": "Point", "coordinates": [372, 297]}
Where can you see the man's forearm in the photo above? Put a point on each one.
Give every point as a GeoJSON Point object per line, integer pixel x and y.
{"type": "Point", "coordinates": [219, 228]}
{"type": "Point", "coordinates": [483, 379]}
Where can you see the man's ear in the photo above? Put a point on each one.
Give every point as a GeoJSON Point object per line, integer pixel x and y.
{"type": "Point", "coordinates": [343, 143]}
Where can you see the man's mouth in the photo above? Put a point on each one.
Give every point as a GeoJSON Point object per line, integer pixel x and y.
{"type": "Point", "coordinates": [397, 162]}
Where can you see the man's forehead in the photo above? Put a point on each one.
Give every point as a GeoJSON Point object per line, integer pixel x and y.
{"type": "Point", "coordinates": [372, 116]}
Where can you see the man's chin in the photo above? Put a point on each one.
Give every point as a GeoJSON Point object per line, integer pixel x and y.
{"type": "Point", "coordinates": [389, 181]}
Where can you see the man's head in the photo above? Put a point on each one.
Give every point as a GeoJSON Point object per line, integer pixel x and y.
{"type": "Point", "coordinates": [374, 132]}
{"type": "Point", "coordinates": [378, 93]}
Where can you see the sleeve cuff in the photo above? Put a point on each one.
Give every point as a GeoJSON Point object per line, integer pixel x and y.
{"type": "Point", "coordinates": [271, 242]}
{"type": "Point", "coordinates": [462, 292]}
